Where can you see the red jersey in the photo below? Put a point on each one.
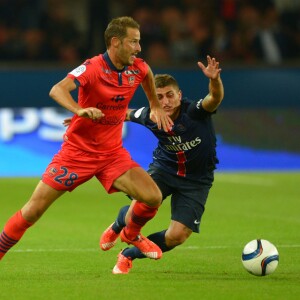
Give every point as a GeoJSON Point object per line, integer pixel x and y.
{"type": "Point", "coordinates": [110, 90]}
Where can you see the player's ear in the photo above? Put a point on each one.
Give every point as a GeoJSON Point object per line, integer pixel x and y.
{"type": "Point", "coordinates": [115, 42]}
{"type": "Point", "coordinates": [180, 94]}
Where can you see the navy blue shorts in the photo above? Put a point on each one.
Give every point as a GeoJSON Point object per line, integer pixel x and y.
{"type": "Point", "coordinates": [188, 197]}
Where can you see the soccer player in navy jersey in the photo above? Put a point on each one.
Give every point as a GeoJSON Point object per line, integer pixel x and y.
{"type": "Point", "coordinates": [183, 163]}
{"type": "Point", "coordinates": [93, 141]}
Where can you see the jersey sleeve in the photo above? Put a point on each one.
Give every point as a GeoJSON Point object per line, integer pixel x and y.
{"type": "Point", "coordinates": [140, 116]}
{"type": "Point", "coordinates": [197, 112]}
{"type": "Point", "coordinates": [83, 74]}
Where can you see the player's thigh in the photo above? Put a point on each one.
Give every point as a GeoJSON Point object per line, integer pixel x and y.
{"type": "Point", "coordinates": [137, 183]}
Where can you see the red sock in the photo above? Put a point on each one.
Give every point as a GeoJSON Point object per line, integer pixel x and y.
{"type": "Point", "coordinates": [141, 214]}
{"type": "Point", "coordinates": [12, 232]}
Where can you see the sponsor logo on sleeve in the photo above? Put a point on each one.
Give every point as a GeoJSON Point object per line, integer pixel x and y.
{"type": "Point", "coordinates": [78, 71]}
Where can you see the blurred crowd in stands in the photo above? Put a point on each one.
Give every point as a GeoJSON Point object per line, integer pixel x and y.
{"type": "Point", "coordinates": [174, 32]}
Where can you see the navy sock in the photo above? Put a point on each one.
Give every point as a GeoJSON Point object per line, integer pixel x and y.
{"type": "Point", "coordinates": [158, 238]}
{"type": "Point", "coordinates": [120, 221]}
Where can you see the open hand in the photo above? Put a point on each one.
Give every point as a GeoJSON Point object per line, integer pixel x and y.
{"type": "Point", "coordinates": [158, 116]}
{"type": "Point", "coordinates": [212, 70]}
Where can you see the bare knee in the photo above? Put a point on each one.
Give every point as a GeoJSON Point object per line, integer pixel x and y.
{"type": "Point", "coordinates": [174, 240]}
{"type": "Point", "coordinates": [175, 237]}
{"type": "Point", "coordinates": [137, 183]}
{"type": "Point", "coordinates": [153, 200]}
{"type": "Point", "coordinates": [32, 211]}
{"type": "Point", "coordinates": [30, 215]}
{"type": "Point", "coordinates": [152, 197]}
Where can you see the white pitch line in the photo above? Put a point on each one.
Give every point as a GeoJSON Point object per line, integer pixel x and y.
{"type": "Point", "coordinates": [98, 250]}
{"type": "Point", "coordinates": [56, 250]}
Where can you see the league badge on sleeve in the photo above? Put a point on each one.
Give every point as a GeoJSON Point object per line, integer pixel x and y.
{"type": "Point", "coordinates": [78, 71]}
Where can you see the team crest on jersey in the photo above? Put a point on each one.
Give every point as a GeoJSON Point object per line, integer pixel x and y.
{"type": "Point", "coordinates": [78, 71]}
{"type": "Point", "coordinates": [131, 80]}
{"type": "Point", "coordinates": [180, 128]}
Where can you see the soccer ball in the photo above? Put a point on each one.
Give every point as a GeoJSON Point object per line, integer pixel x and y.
{"type": "Point", "coordinates": [260, 257]}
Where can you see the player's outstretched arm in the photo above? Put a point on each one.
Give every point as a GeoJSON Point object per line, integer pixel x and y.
{"type": "Point", "coordinates": [157, 114]}
{"type": "Point", "coordinates": [216, 89]}
{"type": "Point", "coordinates": [61, 93]}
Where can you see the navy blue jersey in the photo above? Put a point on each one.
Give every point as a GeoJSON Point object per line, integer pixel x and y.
{"type": "Point", "coordinates": [189, 150]}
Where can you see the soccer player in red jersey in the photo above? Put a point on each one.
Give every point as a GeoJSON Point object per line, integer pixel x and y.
{"type": "Point", "coordinates": [93, 142]}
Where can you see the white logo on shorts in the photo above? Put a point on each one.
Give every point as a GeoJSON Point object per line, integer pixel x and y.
{"type": "Point", "coordinates": [196, 222]}
{"type": "Point", "coordinates": [138, 112]}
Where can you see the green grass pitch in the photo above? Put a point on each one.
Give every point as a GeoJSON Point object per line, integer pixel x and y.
{"type": "Point", "coordinates": [59, 257]}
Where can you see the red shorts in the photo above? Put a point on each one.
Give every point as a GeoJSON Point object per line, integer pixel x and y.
{"type": "Point", "coordinates": [71, 167]}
